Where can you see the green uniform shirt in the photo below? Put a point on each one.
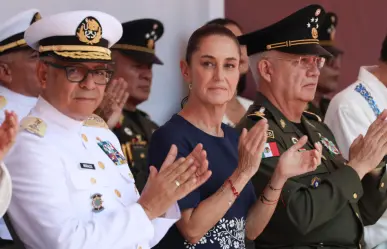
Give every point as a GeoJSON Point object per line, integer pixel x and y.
{"type": "Point", "coordinates": [327, 207]}
{"type": "Point", "coordinates": [134, 132]}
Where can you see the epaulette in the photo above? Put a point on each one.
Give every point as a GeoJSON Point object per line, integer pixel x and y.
{"type": "Point", "coordinates": [3, 102]}
{"type": "Point", "coordinates": [34, 125]}
{"type": "Point", "coordinates": [95, 121]}
{"type": "Point", "coordinates": [257, 115]}
{"type": "Point", "coordinates": [313, 116]}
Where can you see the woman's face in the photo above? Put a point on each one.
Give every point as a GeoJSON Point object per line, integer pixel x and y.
{"type": "Point", "coordinates": [244, 65]}
{"type": "Point", "coordinates": [213, 70]}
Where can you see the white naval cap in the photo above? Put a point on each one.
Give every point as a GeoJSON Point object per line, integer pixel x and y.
{"type": "Point", "coordinates": [82, 35]}
{"type": "Point", "coordinates": [12, 31]}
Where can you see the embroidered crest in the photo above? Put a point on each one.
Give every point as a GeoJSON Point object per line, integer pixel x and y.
{"type": "Point", "coordinates": [330, 145]}
{"type": "Point", "coordinates": [95, 121]}
{"type": "Point", "coordinates": [89, 31]}
{"type": "Point", "coordinates": [360, 88]}
{"type": "Point", "coordinates": [96, 202]}
{"type": "Point", "coordinates": [313, 24]}
{"type": "Point", "coordinates": [34, 125]}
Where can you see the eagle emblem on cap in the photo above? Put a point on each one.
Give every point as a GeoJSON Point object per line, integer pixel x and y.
{"type": "Point", "coordinates": [89, 31]}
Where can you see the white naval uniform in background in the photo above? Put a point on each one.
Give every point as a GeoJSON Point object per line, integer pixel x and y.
{"type": "Point", "coordinates": [21, 105]}
{"type": "Point", "coordinates": [246, 103]}
{"type": "Point", "coordinates": [5, 189]}
{"type": "Point", "coordinates": [350, 115]}
{"type": "Point", "coordinates": [16, 102]}
{"type": "Point", "coordinates": [51, 206]}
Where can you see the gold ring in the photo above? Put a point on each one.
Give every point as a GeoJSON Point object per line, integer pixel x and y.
{"type": "Point", "coordinates": [177, 183]}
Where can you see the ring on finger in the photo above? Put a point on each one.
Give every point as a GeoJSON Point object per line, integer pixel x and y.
{"type": "Point", "coordinates": [177, 183]}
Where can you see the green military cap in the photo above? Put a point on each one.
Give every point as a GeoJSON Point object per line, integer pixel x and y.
{"type": "Point", "coordinates": [327, 33]}
{"type": "Point", "coordinates": [296, 34]}
{"type": "Point", "coordinates": [139, 40]}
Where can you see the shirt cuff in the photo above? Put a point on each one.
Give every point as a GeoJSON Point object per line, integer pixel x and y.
{"type": "Point", "coordinates": [162, 225]}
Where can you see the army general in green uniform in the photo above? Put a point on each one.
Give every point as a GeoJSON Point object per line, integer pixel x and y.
{"type": "Point", "coordinates": [134, 55]}
{"type": "Point", "coordinates": [330, 206]}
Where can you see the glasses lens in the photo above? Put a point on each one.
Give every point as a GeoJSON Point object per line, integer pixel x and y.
{"type": "Point", "coordinates": [102, 76]}
{"type": "Point", "coordinates": [76, 74]}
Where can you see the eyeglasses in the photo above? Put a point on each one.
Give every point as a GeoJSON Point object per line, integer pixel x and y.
{"type": "Point", "coordinates": [78, 73]}
{"type": "Point", "coordinates": [306, 61]}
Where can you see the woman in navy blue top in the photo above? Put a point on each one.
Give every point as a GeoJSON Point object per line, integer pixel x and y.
{"type": "Point", "coordinates": [214, 215]}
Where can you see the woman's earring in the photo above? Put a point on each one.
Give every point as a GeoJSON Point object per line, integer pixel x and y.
{"type": "Point", "coordinates": [190, 86]}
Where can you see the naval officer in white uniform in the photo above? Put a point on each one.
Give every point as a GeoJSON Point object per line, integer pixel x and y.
{"type": "Point", "coordinates": [19, 86]}
{"type": "Point", "coordinates": [351, 112]}
{"type": "Point", "coordinates": [72, 187]}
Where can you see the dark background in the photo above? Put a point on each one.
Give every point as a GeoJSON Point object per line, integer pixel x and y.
{"type": "Point", "coordinates": [362, 26]}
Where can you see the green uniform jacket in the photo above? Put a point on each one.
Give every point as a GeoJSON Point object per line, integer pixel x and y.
{"type": "Point", "coordinates": [327, 207]}
{"type": "Point", "coordinates": [134, 132]}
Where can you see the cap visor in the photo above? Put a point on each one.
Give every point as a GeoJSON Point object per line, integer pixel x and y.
{"type": "Point", "coordinates": [307, 49]}
{"type": "Point", "coordinates": [142, 57]}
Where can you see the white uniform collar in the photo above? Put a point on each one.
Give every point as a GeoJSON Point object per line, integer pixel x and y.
{"type": "Point", "coordinates": [367, 78]}
{"type": "Point", "coordinates": [50, 114]}
{"type": "Point", "coordinates": [17, 97]}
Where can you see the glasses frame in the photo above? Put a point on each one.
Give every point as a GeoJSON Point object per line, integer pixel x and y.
{"type": "Point", "coordinates": [89, 71]}
{"type": "Point", "coordinates": [299, 60]}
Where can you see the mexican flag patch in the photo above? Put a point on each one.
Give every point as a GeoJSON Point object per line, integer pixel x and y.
{"type": "Point", "coordinates": [270, 150]}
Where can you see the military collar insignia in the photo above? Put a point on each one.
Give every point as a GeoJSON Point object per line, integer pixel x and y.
{"type": "Point", "coordinates": [89, 31]}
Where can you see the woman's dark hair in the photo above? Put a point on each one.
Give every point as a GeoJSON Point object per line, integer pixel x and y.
{"type": "Point", "coordinates": [201, 33]}
{"type": "Point", "coordinates": [224, 22]}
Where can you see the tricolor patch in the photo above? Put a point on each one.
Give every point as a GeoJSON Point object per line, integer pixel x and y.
{"type": "Point", "coordinates": [270, 150]}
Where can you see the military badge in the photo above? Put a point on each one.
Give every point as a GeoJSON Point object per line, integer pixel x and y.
{"type": "Point", "coordinates": [112, 153]}
{"type": "Point", "coordinates": [89, 31]}
{"type": "Point", "coordinates": [330, 145]}
{"type": "Point", "coordinates": [270, 134]}
{"type": "Point", "coordinates": [96, 202]}
{"type": "Point", "coordinates": [315, 182]}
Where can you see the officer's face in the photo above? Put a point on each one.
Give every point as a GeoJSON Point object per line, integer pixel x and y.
{"type": "Point", "coordinates": [294, 76]}
{"type": "Point", "coordinates": [76, 100]}
{"type": "Point", "coordinates": [329, 75]}
{"type": "Point", "coordinates": [19, 71]}
{"type": "Point", "coordinates": [137, 74]}
{"type": "Point", "coordinates": [244, 66]}
{"type": "Point", "coordinates": [213, 70]}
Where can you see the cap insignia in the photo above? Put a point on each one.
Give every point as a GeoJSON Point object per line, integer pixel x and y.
{"type": "Point", "coordinates": [89, 31]}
